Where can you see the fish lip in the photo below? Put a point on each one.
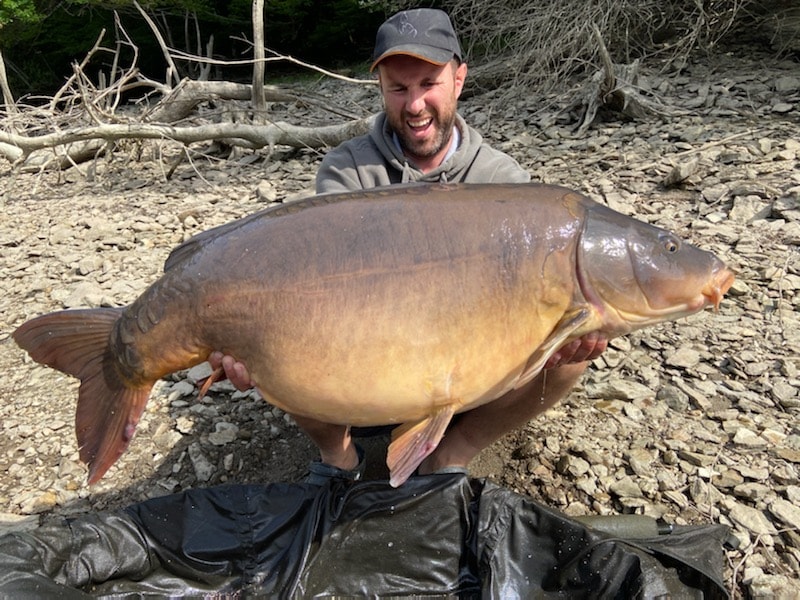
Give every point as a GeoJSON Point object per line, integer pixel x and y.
{"type": "Point", "coordinates": [718, 286]}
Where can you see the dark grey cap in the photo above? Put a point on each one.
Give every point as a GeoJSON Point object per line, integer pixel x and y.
{"type": "Point", "coordinates": [424, 33]}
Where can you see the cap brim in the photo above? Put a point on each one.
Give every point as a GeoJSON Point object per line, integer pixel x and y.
{"type": "Point", "coordinates": [435, 56]}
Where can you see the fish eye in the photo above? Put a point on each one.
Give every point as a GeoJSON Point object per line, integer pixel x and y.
{"type": "Point", "coordinates": [671, 244]}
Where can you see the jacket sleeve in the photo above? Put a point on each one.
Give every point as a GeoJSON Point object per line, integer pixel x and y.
{"type": "Point", "coordinates": [492, 166]}
{"type": "Point", "coordinates": [338, 172]}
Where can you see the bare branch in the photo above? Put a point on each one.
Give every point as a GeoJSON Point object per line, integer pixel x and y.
{"type": "Point", "coordinates": [239, 134]}
{"type": "Point", "coordinates": [182, 100]}
{"type": "Point", "coordinates": [68, 84]}
{"type": "Point", "coordinates": [172, 70]}
{"type": "Point", "coordinates": [259, 99]}
{"type": "Point", "coordinates": [81, 121]}
{"type": "Point", "coordinates": [8, 98]}
{"type": "Point", "coordinates": [276, 56]}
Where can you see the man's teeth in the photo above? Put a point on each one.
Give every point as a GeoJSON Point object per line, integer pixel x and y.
{"type": "Point", "coordinates": [417, 124]}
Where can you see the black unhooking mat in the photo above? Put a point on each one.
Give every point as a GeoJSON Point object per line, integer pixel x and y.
{"type": "Point", "coordinates": [435, 536]}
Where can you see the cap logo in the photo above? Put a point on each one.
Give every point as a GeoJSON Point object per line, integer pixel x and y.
{"type": "Point", "coordinates": [408, 29]}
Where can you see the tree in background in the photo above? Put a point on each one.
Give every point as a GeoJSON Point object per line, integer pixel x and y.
{"type": "Point", "coordinates": [40, 38]}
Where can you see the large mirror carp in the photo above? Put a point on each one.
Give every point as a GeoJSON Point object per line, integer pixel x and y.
{"type": "Point", "coordinates": [400, 305]}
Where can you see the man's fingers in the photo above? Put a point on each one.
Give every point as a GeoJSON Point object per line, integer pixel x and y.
{"type": "Point", "coordinates": [215, 359]}
{"type": "Point", "coordinates": [237, 373]}
{"type": "Point", "coordinates": [588, 347]}
{"type": "Point", "coordinates": [599, 347]}
{"type": "Point", "coordinates": [234, 370]}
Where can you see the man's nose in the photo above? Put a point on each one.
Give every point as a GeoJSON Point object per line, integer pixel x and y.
{"type": "Point", "coordinates": [415, 102]}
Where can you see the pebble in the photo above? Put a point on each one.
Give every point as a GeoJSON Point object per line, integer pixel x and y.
{"type": "Point", "coordinates": [224, 433]}
{"type": "Point", "coordinates": [203, 468]}
{"type": "Point", "coordinates": [626, 488]}
{"type": "Point", "coordinates": [199, 372]}
{"type": "Point", "coordinates": [751, 491]}
{"type": "Point", "coordinates": [572, 465]}
{"type": "Point", "coordinates": [38, 503]}
{"type": "Point", "coordinates": [745, 437]}
{"type": "Point", "coordinates": [787, 84]}
{"type": "Point", "coordinates": [619, 390]}
{"type": "Point", "coordinates": [752, 519]}
{"type": "Point", "coordinates": [773, 587]}
{"type": "Point", "coordinates": [786, 512]}
{"type": "Point", "coordinates": [683, 357]}
{"type": "Point", "coordinates": [673, 397]}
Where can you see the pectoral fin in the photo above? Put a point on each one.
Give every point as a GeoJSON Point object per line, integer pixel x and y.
{"type": "Point", "coordinates": [412, 442]}
{"type": "Point", "coordinates": [566, 327]}
{"type": "Point", "coordinates": [215, 376]}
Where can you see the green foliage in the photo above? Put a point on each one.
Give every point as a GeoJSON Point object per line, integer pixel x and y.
{"type": "Point", "coordinates": [40, 38]}
{"type": "Point", "coordinates": [23, 11]}
{"type": "Point", "coordinates": [20, 12]}
{"type": "Point", "coordinates": [200, 7]}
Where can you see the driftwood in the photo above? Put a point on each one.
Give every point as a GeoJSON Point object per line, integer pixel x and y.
{"type": "Point", "coordinates": [82, 121]}
{"type": "Point", "coordinates": [615, 88]}
{"type": "Point", "coordinates": [73, 141]}
{"type": "Point", "coordinates": [83, 143]}
{"type": "Point", "coordinates": [181, 101]}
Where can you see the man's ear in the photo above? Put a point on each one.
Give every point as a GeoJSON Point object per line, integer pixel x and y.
{"type": "Point", "coordinates": [460, 78]}
{"type": "Point", "coordinates": [380, 85]}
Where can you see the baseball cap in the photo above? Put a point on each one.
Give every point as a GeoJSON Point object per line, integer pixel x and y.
{"type": "Point", "coordinates": [424, 33]}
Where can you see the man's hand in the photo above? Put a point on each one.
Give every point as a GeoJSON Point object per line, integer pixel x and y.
{"type": "Point", "coordinates": [235, 371]}
{"type": "Point", "coordinates": [587, 347]}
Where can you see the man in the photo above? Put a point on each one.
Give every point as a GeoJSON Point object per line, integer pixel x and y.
{"type": "Point", "coordinates": [421, 138]}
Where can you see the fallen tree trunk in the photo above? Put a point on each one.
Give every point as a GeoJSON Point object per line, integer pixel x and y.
{"type": "Point", "coordinates": [65, 147]}
{"type": "Point", "coordinates": [81, 122]}
{"type": "Point", "coordinates": [182, 100]}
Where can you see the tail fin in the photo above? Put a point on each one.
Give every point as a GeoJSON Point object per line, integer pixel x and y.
{"type": "Point", "coordinates": [76, 342]}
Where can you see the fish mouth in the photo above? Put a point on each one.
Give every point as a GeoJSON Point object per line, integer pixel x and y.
{"type": "Point", "coordinates": [711, 295]}
{"type": "Point", "coordinates": [716, 288]}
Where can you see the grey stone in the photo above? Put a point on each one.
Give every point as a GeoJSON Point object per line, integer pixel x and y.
{"type": "Point", "coordinates": [203, 468]}
{"type": "Point", "coordinates": [224, 433]}
{"type": "Point", "coordinates": [753, 520]}
{"type": "Point", "coordinates": [626, 488]}
{"type": "Point", "coordinates": [787, 83]}
{"type": "Point", "coordinates": [618, 389]}
{"type": "Point", "coordinates": [683, 357]}
{"type": "Point", "coordinates": [748, 438]}
{"type": "Point", "coordinates": [786, 512]}
{"type": "Point", "coordinates": [673, 397]}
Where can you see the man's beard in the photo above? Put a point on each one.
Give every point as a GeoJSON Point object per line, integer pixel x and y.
{"type": "Point", "coordinates": [429, 147]}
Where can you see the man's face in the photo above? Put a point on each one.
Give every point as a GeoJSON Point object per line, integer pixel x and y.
{"type": "Point", "coordinates": [420, 101]}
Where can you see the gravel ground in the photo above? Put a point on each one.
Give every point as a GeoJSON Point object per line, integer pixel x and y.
{"type": "Point", "coordinates": [691, 422]}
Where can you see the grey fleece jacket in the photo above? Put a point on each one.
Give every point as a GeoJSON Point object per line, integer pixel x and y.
{"type": "Point", "coordinates": [374, 160]}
